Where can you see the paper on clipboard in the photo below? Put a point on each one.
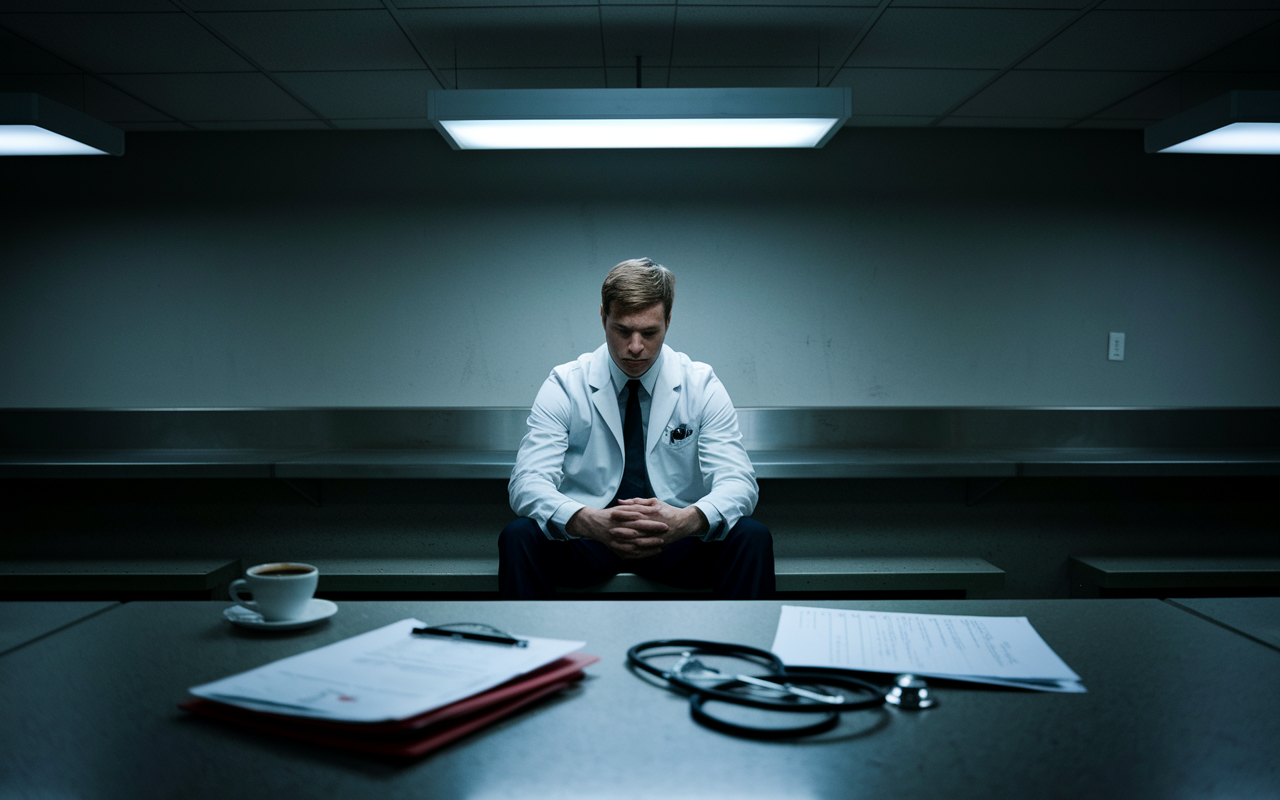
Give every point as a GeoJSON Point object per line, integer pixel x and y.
{"type": "Point", "coordinates": [1005, 651]}
{"type": "Point", "coordinates": [383, 675]}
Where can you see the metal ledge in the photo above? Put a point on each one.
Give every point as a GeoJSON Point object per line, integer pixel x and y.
{"type": "Point", "coordinates": [497, 465]}
{"type": "Point", "coordinates": [783, 443]}
{"type": "Point", "coordinates": [301, 430]}
{"type": "Point", "coordinates": [794, 575]}
{"type": "Point", "coordinates": [132, 575]}
{"type": "Point", "coordinates": [1144, 572]}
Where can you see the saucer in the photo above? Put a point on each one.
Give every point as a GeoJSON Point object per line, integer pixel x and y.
{"type": "Point", "coordinates": [317, 610]}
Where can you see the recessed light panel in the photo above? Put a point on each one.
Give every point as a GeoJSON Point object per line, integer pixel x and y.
{"type": "Point", "coordinates": [32, 140]}
{"type": "Point", "coordinates": [1242, 122]}
{"type": "Point", "coordinates": [1238, 137]}
{"type": "Point", "coordinates": [638, 118]}
{"type": "Point", "coordinates": [490, 134]}
{"type": "Point", "coordinates": [32, 125]}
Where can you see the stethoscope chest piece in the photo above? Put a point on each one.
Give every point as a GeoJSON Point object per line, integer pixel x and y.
{"type": "Point", "coordinates": [910, 693]}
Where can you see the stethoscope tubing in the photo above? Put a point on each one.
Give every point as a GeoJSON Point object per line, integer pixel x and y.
{"type": "Point", "coordinates": [699, 695]}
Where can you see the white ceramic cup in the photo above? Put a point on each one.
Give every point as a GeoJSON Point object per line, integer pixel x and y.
{"type": "Point", "coordinates": [281, 591]}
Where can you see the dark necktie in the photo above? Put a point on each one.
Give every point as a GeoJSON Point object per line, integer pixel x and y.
{"type": "Point", "coordinates": [635, 479]}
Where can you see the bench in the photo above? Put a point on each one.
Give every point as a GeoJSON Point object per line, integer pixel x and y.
{"type": "Point", "coordinates": [977, 444]}
{"type": "Point", "coordinates": [826, 576]}
{"type": "Point", "coordinates": [119, 579]}
{"type": "Point", "coordinates": [1148, 576]}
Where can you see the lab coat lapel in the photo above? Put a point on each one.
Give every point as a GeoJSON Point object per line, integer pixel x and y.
{"type": "Point", "coordinates": [665, 394]}
{"type": "Point", "coordinates": [602, 394]}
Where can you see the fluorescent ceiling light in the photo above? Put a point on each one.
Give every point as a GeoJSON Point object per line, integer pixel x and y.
{"type": "Point", "coordinates": [1238, 137]}
{"type": "Point", "coordinates": [32, 125]}
{"type": "Point", "coordinates": [490, 134]}
{"type": "Point", "coordinates": [31, 140]}
{"type": "Point", "coordinates": [637, 118]}
{"type": "Point", "coordinates": [1237, 122]}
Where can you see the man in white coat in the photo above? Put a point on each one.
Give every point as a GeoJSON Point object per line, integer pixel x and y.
{"type": "Point", "coordinates": [634, 463]}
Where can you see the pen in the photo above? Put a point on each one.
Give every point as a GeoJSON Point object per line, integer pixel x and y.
{"type": "Point", "coordinates": [476, 637]}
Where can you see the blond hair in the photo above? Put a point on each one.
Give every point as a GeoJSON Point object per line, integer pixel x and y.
{"type": "Point", "coordinates": [636, 284]}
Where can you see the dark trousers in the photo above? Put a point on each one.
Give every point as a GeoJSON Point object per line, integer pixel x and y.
{"type": "Point", "coordinates": [738, 567]}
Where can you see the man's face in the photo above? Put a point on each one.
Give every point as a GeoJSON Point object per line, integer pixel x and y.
{"type": "Point", "coordinates": [635, 338]}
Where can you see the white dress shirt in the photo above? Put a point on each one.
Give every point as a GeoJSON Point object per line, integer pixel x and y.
{"type": "Point", "coordinates": [574, 454]}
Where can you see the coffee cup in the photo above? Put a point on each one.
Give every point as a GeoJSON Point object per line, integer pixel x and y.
{"type": "Point", "coordinates": [281, 590]}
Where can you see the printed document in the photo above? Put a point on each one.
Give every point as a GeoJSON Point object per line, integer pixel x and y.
{"type": "Point", "coordinates": [1005, 651]}
{"type": "Point", "coordinates": [383, 675]}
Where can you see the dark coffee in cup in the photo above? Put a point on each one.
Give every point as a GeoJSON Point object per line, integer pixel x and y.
{"type": "Point", "coordinates": [284, 569]}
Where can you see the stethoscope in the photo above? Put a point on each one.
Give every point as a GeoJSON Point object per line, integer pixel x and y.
{"type": "Point", "coordinates": [788, 690]}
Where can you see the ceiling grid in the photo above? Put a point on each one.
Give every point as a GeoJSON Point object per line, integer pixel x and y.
{"type": "Point", "coordinates": [267, 73]}
{"type": "Point", "coordinates": [989, 82]}
{"type": "Point", "coordinates": [86, 73]}
{"type": "Point", "coordinates": [346, 64]}
{"type": "Point", "coordinates": [417, 46]}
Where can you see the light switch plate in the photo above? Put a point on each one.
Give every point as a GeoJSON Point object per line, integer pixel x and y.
{"type": "Point", "coordinates": [1115, 350]}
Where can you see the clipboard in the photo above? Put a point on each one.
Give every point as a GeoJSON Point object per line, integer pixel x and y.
{"type": "Point", "coordinates": [415, 736]}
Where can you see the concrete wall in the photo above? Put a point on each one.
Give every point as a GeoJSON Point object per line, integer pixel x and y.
{"type": "Point", "coordinates": [911, 267]}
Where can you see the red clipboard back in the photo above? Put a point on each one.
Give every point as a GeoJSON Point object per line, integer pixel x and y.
{"type": "Point", "coordinates": [415, 736]}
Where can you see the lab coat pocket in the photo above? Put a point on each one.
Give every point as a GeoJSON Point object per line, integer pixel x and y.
{"type": "Point", "coordinates": [679, 438]}
{"type": "Point", "coordinates": [679, 458]}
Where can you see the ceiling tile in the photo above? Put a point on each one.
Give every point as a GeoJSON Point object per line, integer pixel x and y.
{"type": "Point", "coordinates": [263, 125]}
{"type": "Point", "coordinates": [149, 127]}
{"type": "Point", "coordinates": [1145, 40]}
{"type": "Point", "coordinates": [631, 31]}
{"type": "Point", "coordinates": [82, 6]}
{"type": "Point", "coordinates": [286, 41]}
{"type": "Point", "coordinates": [283, 5]}
{"type": "Point", "coordinates": [1257, 52]}
{"type": "Point", "coordinates": [509, 37]}
{"type": "Point", "coordinates": [128, 42]}
{"type": "Point", "coordinates": [1188, 5]}
{"type": "Point", "coordinates": [1027, 93]}
{"type": "Point", "coordinates": [1006, 122]}
{"type": "Point", "coordinates": [1201, 87]}
{"type": "Point", "coordinates": [764, 36]}
{"type": "Point", "coordinates": [409, 4]}
{"type": "Point", "coordinates": [541, 78]}
{"type": "Point", "coordinates": [954, 38]}
{"type": "Point", "coordinates": [17, 55]}
{"type": "Point", "coordinates": [909, 91]}
{"type": "Point", "coordinates": [109, 104]}
{"type": "Point", "coordinates": [1185, 90]}
{"type": "Point", "coordinates": [66, 89]}
{"type": "Point", "coordinates": [1160, 101]}
{"type": "Point", "coordinates": [1031, 4]}
{"type": "Point", "coordinates": [354, 95]}
{"type": "Point", "coordinates": [718, 77]}
{"type": "Point", "coordinates": [215, 97]}
{"type": "Point", "coordinates": [85, 93]}
{"type": "Point", "coordinates": [888, 121]}
{"type": "Point", "coordinates": [782, 4]}
{"type": "Point", "coordinates": [383, 124]}
{"type": "Point", "coordinates": [1114, 124]}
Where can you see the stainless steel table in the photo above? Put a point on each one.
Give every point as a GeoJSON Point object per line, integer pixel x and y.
{"type": "Point", "coordinates": [25, 621]}
{"type": "Point", "coordinates": [1255, 617]}
{"type": "Point", "coordinates": [1177, 707]}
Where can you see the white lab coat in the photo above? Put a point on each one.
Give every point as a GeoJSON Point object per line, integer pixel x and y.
{"type": "Point", "coordinates": [573, 454]}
